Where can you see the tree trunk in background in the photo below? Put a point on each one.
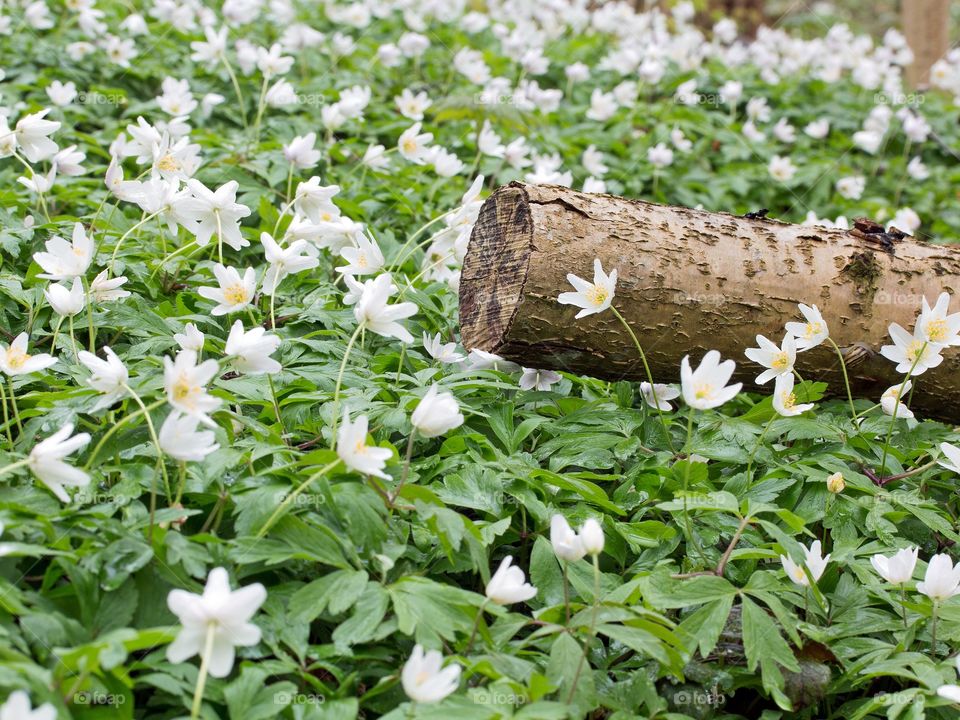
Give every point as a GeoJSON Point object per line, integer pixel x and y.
{"type": "Point", "coordinates": [926, 25]}
{"type": "Point", "coordinates": [749, 14]}
{"type": "Point", "coordinates": [692, 281]}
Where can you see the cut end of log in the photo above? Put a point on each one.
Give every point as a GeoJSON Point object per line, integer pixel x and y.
{"type": "Point", "coordinates": [495, 268]}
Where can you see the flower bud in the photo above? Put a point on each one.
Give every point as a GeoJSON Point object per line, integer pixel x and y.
{"type": "Point", "coordinates": [835, 483]}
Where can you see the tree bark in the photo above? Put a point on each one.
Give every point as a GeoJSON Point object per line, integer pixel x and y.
{"type": "Point", "coordinates": [692, 281]}
{"type": "Point", "coordinates": [926, 26]}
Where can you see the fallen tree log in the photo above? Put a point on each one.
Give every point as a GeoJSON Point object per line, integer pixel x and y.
{"type": "Point", "coordinates": [691, 281]}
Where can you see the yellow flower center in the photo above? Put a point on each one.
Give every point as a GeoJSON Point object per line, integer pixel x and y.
{"type": "Point", "coordinates": [915, 350]}
{"type": "Point", "coordinates": [788, 400]}
{"type": "Point", "coordinates": [702, 392]}
{"type": "Point", "coordinates": [410, 145]}
{"type": "Point", "coordinates": [326, 216]}
{"type": "Point", "coordinates": [16, 359]}
{"type": "Point", "coordinates": [799, 575]}
{"type": "Point", "coordinates": [597, 295]}
{"type": "Point", "coordinates": [812, 329]}
{"type": "Point", "coordinates": [362, 260]}
{"type": "Point", "coordinates": [937, 330]}
{"type": "Point", "coordinates": [235, 294]}
{"type": "Point", "coordinates": [181, 390]}
{"type": "Point", "coordinates": [168, 163]}
{"type": "Point", "coordinates": [781, 361]}
{"type": "Point", "coordinates": [422, 677]}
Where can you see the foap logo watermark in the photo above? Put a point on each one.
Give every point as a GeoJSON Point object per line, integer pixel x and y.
{"type": "Point", "coordinates": [691, 697]}
{"type": "Point", "coordinates": [94, 97]}
{"type": "Point", "coordinates": [301, 500]}
{"type": "Point", "coordinates": [885, 297]}
{"type": "Point", "coordinates": [699, 298]}
{"type": "Point", "coordinates": [92, 698]}
{"type": "Point", "coordinates": [501, 699]}
{"type": "Point", "coordinates": [285, 699]}
{"type": "Point", "coordinates": [899, 98]}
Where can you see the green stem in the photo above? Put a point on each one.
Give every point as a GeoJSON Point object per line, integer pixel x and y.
{"type": "Point", "coordinates": [181, 480]}
{"type": "Point", "coordinates": [476, 626]}
{"type": "Point", "coordinates": [336, 390]}
{"type": "Point", "coordinates": [566, 593]}
{"type": "Point", "coordinates": [13, 466]}
{"type": "Point", "coordinates": [593, 628]}
{"type": "Point", "coordinates": [276, 406]}
{"type": "Point", "coordinates": [846, 378]}
{"type": "Point", "coordinates": [114, 428]}
{"type": "Point", "coordinates": [13, 404]}
{"type": "Point", "coordinates": [6, 415]}
{"type": "Point", "coordinates": [92, 335]}
{"type": "Point", "coordinates": [933, 630]}
{"type": "Point", "coordinates": [646, 367]}
{"type": "Point", "coordinates": [903, 603]}
{"type": "Point", "coordinates": [896, 406]}
{"type": "Point", "coordinates": [153, 437]}
{"type": "Point", "coordinates": [294, 495]}
{"type": "Point", "coordinates": [406, 467]}
{"type": "Point", "coordinates": [204, 668]}
{"type": "Point", "coordinates": [116, 248]}
{"type": "Point", "coordinates": [236, 89]}
{"type": "Point", "coordinates": [756, 447]}
{"type": "Point", "coordinates": [686, 482]}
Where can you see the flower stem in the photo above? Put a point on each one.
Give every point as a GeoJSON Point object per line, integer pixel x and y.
{"type": "Point", "coordinates": [933, 630]}
{"type": "Point", "coordinates": [236, 89]}
{"type": "Point", "coordinates": [276, 406]}
{"type": "Point", "coordinates": [903, 603]}
{"type": "Point", "coordinates": [566, 593]}
{"type": "Point", "coordinates": [153, 437]}
{"type": "Point", "coordinates": [6, 415]}
{"type": "Point", "coordinates": [846, 378]}
{"type": "Point", "coordinates": [686, 482]}
{"type": "Point", "coordinates": [336, 390]}
{"type": "Point", "coordinates": [593, 628]}
{"type": "Point", "coordinates": [13, 404]}
{"type": "Point", "coordinates": [476, 626]}
{"type": "Point", "coordinates": [646, 367]}
{"type": "Point", "coordinates": [896, 406]}
{"type": "Point", "coordinates": [91, 333]}
{"type": "Point", "coordinates": [14, 465]}
{"type": "Point", "coordinates": [116, 248]}
{"type": "Point", "coordinates": [114, 428]}
{"type": "Point", "coordinates": [756, 447]}
{"type": "Point", "coordinates": [406, 467]}
{"type": "Point", "coordinates": [294, 495]}
{"type": "Point", "coordinates": [204, 668]}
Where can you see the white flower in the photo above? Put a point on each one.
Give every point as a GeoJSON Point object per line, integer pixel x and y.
{"type": "Point", "coordinates": [284, 262]}
{"type": "Point", "coordinates": [373, 311]}
{"type": "Point", "coordinates": [437, 413]}
{"type": "Point", "coordinates": [209, 213]}
{"type": "Point", "coordinates": [218, 611]}
{"type": "Point", "coordinates": [185, 385]}
{"type": "Point", "coordinates": [814, 561]}
{"type": "Point", "coordinates": [602, 105]}
{"type": "Point", "coordinates": [538, 379]}
{"type": "Point", "coordinates": [810, 333]}
{"type": "Point", "coordinates": [949, 692]}
{"type": "Point", "coordinates": [46, 461]}
{"type": "Point", "coordinates": [567, 545]}
{"type": "Point", "coordinates": [412, 106]}
{"type": "Point", "coordinates": [17, 707]}
{"type": "Point", "coordinates": [660, 156]}
{"type": "Point", "coordinates": [658, 395]}
{"type": "Point", "coordinates": [63, 260]}
{"type": "Point", "coordinates": [906, 220]}
{"type": "Point", "coordinates": [592, 297]}
{"type": "Point", "coordinates": [898, 568]}
{"type": "Point", "coordinates": [31, 133]}
{"type": "Point", "coordinates": [912, 353]}
{"type": "Point", "coordinates": [917, 170]}
{"type": "Point", "coordinates": [438, 350]}
{"type": "Point", "coordinates": [61, 94]}
{"type": "Point", "coordinates": [777, 360]}
{"type": "Point", "coordinates": [180, 439]}
{"type": "Point", "coordinates": [365, 258]}
{"type": "Point", "coordinates": [781, 168]}
{"type": "Point", "coordinates": [413, 145]}
{"type": "Point", "coordinates": [936, 325]}
{"type": "Point", "coordinates": [784, 399]}
{"type": "Point", "coordinates": [67, 161]}
{"type": "Point", "coordinates": [105, 289]}
{"type": "Point", "coordinates": [851, 187]}
{"type": "Point", "coordinates": [942, 579]}
{"type": "Point", "coordinates": [353, 450]}
{"type": "Point", "coordinates": [108, 376]}
{"type": "Point", "coordinates": [234, 293]}
{"type": "Point", "coordinates": [731, 92]}
{"type": "Point", "coordinates": [509, 585]}
{"type": "Point", "coordinates": [300, 152]}
{"type": "Point", "coordinates": [375, 158]}
{"type": "Point", "coordinates": [66, 301]}
{"type": "Point", "coordinates": [890, 400]}
{"type": "Point", "coordinates": [15, 360]}
{"type": "Point", "coordinates": [250, 351]}
{"type": "Point", "coordinates": [952, 453]}
{"type": "Point", "coordinates": [818, 129]}
{"type": "Point", "coordinates": [482, 360]}
{"type": "Point", "coordinates": [190, 339]}
{"type": "Point", "coordinates": [680, 141]}
{"type": "Point", "coordinates": [424, 679]}
{"type": "Point", "coordinates": [591, 537]}
{"type": "Point", "coordinates": [706, 387]}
